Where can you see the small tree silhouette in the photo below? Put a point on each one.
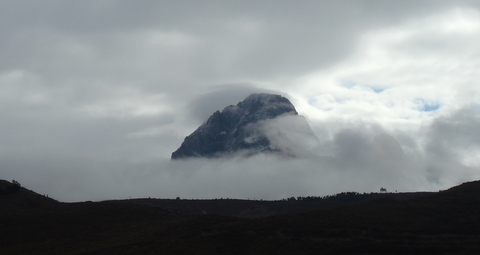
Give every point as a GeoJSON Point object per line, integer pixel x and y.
{"type": "Point", "coordinates": [15, 183]}
{"type": "Point", "coordinates": [10, 189]}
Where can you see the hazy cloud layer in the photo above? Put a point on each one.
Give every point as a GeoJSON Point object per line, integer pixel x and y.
{"type": "Point", "coordinates": [95, 95]}
{"type": "Point", "coordinates": [362, 157]}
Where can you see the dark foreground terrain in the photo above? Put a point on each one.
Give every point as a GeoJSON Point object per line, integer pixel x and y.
{"type": "Point", "coordinates": [446, 222]}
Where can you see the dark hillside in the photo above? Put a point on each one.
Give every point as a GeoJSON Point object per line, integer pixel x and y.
{"type": "Point", "coordinates": [446, 222]}
{"type": "Point", "coordinates": [257, 208]}
{"type": "Point", "coordinates": [14, 197]}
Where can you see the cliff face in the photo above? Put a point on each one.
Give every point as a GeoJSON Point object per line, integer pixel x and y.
{"type": "Point", "coordinates": [238, 128]}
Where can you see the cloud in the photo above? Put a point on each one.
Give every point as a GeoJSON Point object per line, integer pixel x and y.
{"type": "Point", "coordinates": [364, 157]}
{"type": "Point", "coordinates": [423, 70]}
{"type": "Point", "coordinates": [455, 138]}
{"type": "Point", "coordinates": [96, 95]}
{"type": "Point", "coordinates": [218, 97]}
{"type": "Point", "coordinates": [292, 135]}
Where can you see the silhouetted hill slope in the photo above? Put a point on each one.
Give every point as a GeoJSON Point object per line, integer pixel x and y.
{"type": "Point", "coordinates": [257, 208]}
{"type": "Point", "coordinates": [446, 222]}
{"type": "Point", "coordinates": [15, 197]}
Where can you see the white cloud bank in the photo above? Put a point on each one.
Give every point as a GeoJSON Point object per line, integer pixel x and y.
{"type": "Point", "coordinates": [360, 157]}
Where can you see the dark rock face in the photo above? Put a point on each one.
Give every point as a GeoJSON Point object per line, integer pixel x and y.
{"type": "Point", "coordinates": [237, 128]}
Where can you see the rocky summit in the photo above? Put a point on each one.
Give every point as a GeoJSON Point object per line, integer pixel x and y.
{"type": "Point", "coordinates": [250, 127]}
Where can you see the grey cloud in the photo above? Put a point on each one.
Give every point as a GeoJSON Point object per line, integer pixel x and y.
{"type": "Point", "coordinates": [292, 135]}
{"type": "Point", "coordinates": [92, 48]}
{"type": "Point", "coordinates": [220, 96]}
{"type": "Point", "coordinates": [364, 160]}
{"type": "Point", "coordinates": [453, 142]}
{"type": "Point", "coordinates": [73, 56]}
{"type": "Point", "coordinates": [293, 37]}
{"type": "Point", "coordinates": [362, 163]}
{"type": "Point", "coordinates": [457, 132]}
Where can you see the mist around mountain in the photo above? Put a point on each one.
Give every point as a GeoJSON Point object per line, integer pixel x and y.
{"type": "Point", "coordinates": [262, 123]}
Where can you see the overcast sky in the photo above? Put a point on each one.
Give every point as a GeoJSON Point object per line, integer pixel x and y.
{"type": "Point", "coordinates": [96, 95]}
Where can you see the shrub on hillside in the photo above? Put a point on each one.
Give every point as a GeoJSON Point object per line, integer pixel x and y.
{"type": "Point", "coordinates": [10, 189]}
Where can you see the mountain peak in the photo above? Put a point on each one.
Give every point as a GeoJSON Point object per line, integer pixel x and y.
{"type": "Point", "coordinates": [239, 128]}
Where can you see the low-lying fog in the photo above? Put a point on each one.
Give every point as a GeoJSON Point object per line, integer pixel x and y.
{"type": "Point", "coordinates": [349, 156]}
